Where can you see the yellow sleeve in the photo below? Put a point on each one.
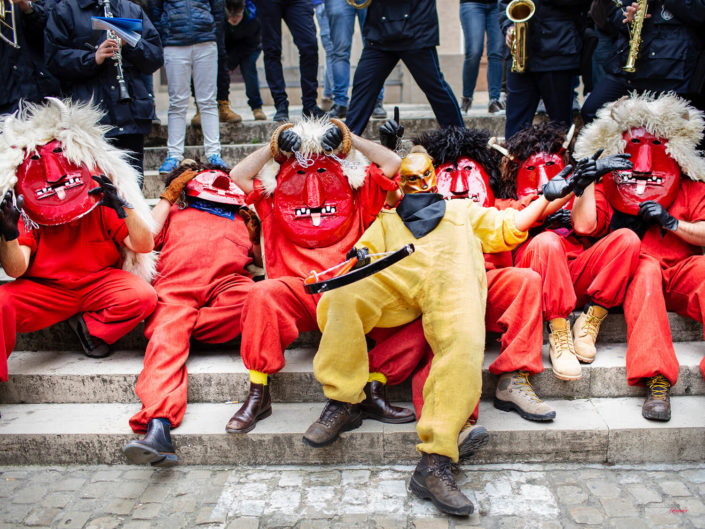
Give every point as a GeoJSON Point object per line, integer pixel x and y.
{"type": "Point", "coordinates": [496, 229]}
{"type": "Point", "coordinates": [373, 238]}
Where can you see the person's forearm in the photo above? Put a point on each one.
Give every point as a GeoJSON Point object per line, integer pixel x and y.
{"type": "Point", "coordinates": [13, 257]}
{"type": "Point", "coordinates": [257, 254]}
{"type": "Point", "coordinates": [584, 212]}
{"type": "Point", "coordinates": [554, 206]}
{"type": "Point", "coordinates": [140, 238]}
{"type": "Point", "coordinates": [160, 213]}
{"type": "Point", "coordinates": [691, 232]}
{"type": "Point", "coordinates": [244, 173]}
{"type": "Point", "coordinates": [388, 161]}
{"type": "Point", "coordinates": [526, 217]}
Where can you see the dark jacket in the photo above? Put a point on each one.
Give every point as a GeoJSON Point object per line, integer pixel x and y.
{"type": "Point", "coordinates": [70, 46]}
{"type": "Point", "coordinates": [23, 73]}
{"type": "Point", "coordinates": [242, 40]}
{"type": "Point", "coordinates": [670, 44]}
{"type": "Point", "coordinates": [401, 25]}
{"type": "Point", "coordinates": [555, 35]}
{"type": "Point", "coordinates": [187, 22]}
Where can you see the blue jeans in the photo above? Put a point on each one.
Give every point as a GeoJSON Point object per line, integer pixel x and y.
{"type": "Point", "coordinates": [248, 69]}
{"type": "Point", "coordinates": [475, 19]}
{"type": "Point", "coordinates": [324, 28]}
{"type": "Point", "coordinates": [341, 18]}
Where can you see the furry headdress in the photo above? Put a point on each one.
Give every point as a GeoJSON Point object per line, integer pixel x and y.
{"type": "Point", "coordinates": [666, 116]}
{"type": "Point", "coordinates": [76, 126]}
{"type": "Point", "coordinates": [542, 137]}
{"type": "Point", "coordinates": [449, 144]}
{"type": "Point", "coordinates": [311, 131]}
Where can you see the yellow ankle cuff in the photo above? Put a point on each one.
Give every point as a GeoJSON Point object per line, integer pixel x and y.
{"type": "Point", "coordinates": [258, 378]}
{"type": "Point", "coordinates": [379, 377]}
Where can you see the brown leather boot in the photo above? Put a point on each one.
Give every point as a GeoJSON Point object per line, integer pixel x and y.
{"type": "Point", "coordinates": [259, 114]}
{"type": "Point", "coordinates": [657, 405]}
{"type": "Point", "coordinates": [433, 480]}
{"type": "Point", "coordinates": [336, 417]}
{"type": "Point", "coordinates": [257, 406]}
{"type": "Point", "coordinates": [196, 120]}
{"type": "Point", "coordinates": [225, 113]}
{"type": "Point", "coordinates": [377, 407]}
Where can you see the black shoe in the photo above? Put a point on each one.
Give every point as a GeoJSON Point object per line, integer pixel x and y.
{"type": "Point", "coordinates": [93, 347]}
{"type": "Point", "coordinates": [657, 405]}
{"type": "Point", "coordinates": [282, 114]}
{"type": "Point", "coordinates": [433, 480]}
{"type": "Point", "coordinates": [338, 111]}
{"type": "Point", "coordinates": [494, 107]}
{"type": "Point", "coordinates": [313, 112]}
{"type": "Point", "coordinates": [379, 112]}
{"type": "Point", "coordinates": [335, 418]}
{"type": "Point", "coordinates": [465, 104]}
{"type": "Point", "coordinates": [155, 448]}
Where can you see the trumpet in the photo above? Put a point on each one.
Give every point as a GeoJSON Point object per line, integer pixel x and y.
{"type": "Point", "coordinates": [124, 94]}
{"type": "Point", "coordinates": [519, 12]}
{"type": "Point", "coordinates": [7, 22]}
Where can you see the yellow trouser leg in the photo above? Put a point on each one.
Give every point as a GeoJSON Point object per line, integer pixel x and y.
{"type": "Point", "coordinates": [345, 315]}
{"type": "Point", "coordinates": [454, 326]}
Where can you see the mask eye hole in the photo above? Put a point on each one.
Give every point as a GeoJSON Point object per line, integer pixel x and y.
{"type": "Point", "coordinates": [549, 164]}
{"type": "Point", "coordinates": [301, 171]}
{"type": "Point", "coordinates": [35, 157]}
{"type": "Point", "coordinates": [58, 150]}
{"type": "Point", "coordinates": [427, 173]}
{"type": "Point", "coordinates": [448, 169]}
{"type": "Point", "coordinates": [636, 140]}
{"type": "Point", "coordinates": [656, 142]}
{"type": "Point", "coordinates": [321, 170]}
{"type": "Point", "coordinates": [531, 168]}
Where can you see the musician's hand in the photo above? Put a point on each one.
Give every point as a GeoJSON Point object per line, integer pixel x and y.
{"type": "Point", "coordinates": [10, 216]}
{"type": "Point", "coordinates": [111, 199]}
{"type": "Point", "coordinates": [509, 37]}
{"type": "Point", "coordinates": [107, 49]}
{"type": "Point", "coordinates": [630, 13]}
{"type": "Point", "coordinates": [24, 5]}
{"type": "Point", "coordinates": [252, 223]}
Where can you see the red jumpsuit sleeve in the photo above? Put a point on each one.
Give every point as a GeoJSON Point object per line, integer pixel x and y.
{"type": "Point", "coordinates": [257, 198]}
{"type": "Point", "coordinates": [29, 238]}
{"type": "Point", "coordinates": [373, 193]}
{"type": "Point", "coordinates": [114, 226]}
{"type": "Point", "coordinates": [696, 201]}
{"type": "Point", "coordinates": [604, 213]}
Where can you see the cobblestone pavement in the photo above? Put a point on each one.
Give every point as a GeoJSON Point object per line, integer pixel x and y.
{"type": "Point", "coordinates": [322, 497]}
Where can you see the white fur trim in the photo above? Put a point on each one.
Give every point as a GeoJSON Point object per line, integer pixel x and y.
{"type": "Point", "coordinates": [667, 116]}
{"type": "Point", "coordinates": [311, 131]}
{"type": "Point", "coordinates": [76, 126]}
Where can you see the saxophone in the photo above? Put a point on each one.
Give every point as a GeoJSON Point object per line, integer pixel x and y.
{"type": "Point", "coordinates": [519, 12]}
{"type": "Point", "coordinates": [635, 36]}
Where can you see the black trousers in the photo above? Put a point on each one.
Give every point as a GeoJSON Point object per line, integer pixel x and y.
{"type": "Point", "coordinates": [525, 90]}
{"type": "Point", "coordinates": [298, 15]}
{"type": "Point", "coordinates": [609, 89]}
{"type": "Point", "coordinates": [374, 67]}
{"type": "Point", "coordinates": [133, 144]}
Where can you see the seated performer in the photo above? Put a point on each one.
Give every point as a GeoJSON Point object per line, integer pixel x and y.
{"type": "Point", "coordinates": [78, 218]}
{"type": "Point", "coordinates": [662, 201]}
{"type": "Point", "coordinates": [313, 205]}
{"type": "Point", "coordinates": [573, 270]}
{"type": "Point", "coordinates": [444, 283]}
{"type": "Point", "coordinates": [207, 238]}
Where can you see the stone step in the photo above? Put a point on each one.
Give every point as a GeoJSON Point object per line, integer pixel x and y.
{"type": "Point", "coordinates": [60, 338]}
{"type": "Point", "coordinates": [261, 131]}
{"type": "Point", "coordinates": [220, 376]}
{"type": "Point", "coordinates": [585, 430]}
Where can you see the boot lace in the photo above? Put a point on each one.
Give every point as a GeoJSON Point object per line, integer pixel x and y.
{"type": "Point", "coordinates": [591, 326]}
{"type": "Point", "coordinates": [659, 387]}
{"type": "Point", "coordinates": [563, 341]}
{"type": "Point", "coordinates": [521, 381]}
{"type": "Point", "coordinates": [331, 412]}
{"type": "Point", "coordinates": [443, 470]}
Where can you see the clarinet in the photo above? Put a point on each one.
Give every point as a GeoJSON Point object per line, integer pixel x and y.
{"type": "Point", "coordinates": [122, 85]}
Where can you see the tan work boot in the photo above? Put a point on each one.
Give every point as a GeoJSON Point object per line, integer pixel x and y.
{"type": "Point", "coordinates": [585, 332]}
{"type": "Point", "coordinates": [514, 392]}
{"type": "Point", "coordinates": [565, 363]}
{"type": "Point", "coordinates": [226, 115]}
{"type": "Point", "coordinates": [196, 120]}
{"type": "Point", "coordinates": [259, 114]}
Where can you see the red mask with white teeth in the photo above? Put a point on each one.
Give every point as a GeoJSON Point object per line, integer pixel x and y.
{"type": "Point", "coordinates": [655, 175]}
{"type": "Point", "coordinates": [215, 186]}
{"type": "Point", "coordinates": [313, 206]}
{"type": "Point", "coordinates": [465, 179]}
{"type": "Point", "coordinates": [536, 171]}
{"type": "Point", "coordinates": [55, 190]}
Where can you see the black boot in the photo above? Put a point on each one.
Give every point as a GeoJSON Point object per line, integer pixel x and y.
{"type": "Point", "coordinates": [93, 346]}
{"type": "Point", "coordinates": [335, 418]}
{"type": "Point", "coordinates": [433, 480]}
{"type": "Point", "coordinates": [376, 406]}
{"type": "Point", "coordinates": [257, 406]}
{"type": "Point", "coordinates": [155, 448]}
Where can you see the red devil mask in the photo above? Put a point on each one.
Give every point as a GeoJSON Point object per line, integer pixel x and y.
{"type": "Point", "coordinates": [55, 190]}
{"type": "Point", "coordinates": [465, 179]}
{"type": "Point", "coordinates": [215, 186]}
{"type": "Point", "coordinates": [313, 206]}
{"type": "Point", "coordinates": [655, 175]}
{"type": "Point", "coordinates": [536, 171]}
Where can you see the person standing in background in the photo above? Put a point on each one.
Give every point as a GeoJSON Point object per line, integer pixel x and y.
{"type": "Point", "coordinates": [324, 30]}
{"type": "Point", "coordinates": [478, 17]}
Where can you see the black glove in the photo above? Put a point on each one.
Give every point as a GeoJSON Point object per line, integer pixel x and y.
{"type": "Point", "coordinates": [10, 216]}
{"type": "Point", "coordinates": [111, 199]}
{"type": "Point", "coordinates": [651, 211]}
{"type": "Point", "coordinates": [362, 254]}
{"type": "Point", "coordinates": [289, 141]}
{"type": "Point", "coordinates": [558, 186]}
{"type": "Point", "coordinates": [558, 219]}
{"type": "Point", "coordinates": [391, 132]}
{"type": "Point", "coordinates": [613, 162]}
{"type": "Point", "coordinates": [331, 139]}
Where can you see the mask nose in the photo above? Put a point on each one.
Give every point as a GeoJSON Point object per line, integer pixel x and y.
{"type": "Point", "coordinates": [642, 161]}
{"type": "Point", "coordinates": [459, 183]}
{"type": "Point", "coordinates": [52, 169]}
{"type": "Point", "coordinates": [313, 192]}
{"type": "Point", "coordinates": [544, 177]}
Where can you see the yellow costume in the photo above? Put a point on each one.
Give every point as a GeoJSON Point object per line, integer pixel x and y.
{"type": "Point", "coordinates": [445, 282]}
